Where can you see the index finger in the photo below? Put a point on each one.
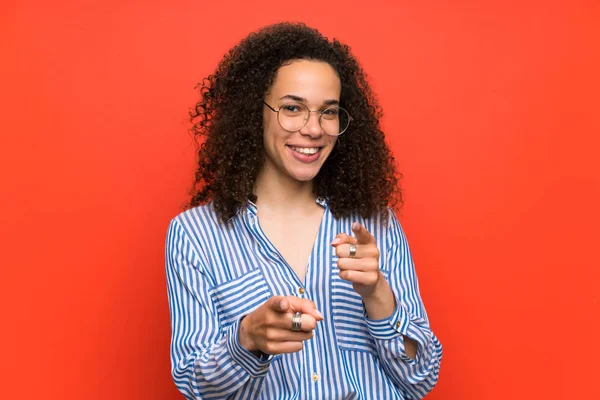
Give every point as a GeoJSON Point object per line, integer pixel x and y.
{"type": "Point", "coordinates": [362, 234]}
{"type": "Point", "coordinates": [292, 305]}
{"type": "Point", "coordinates": [304, 306]}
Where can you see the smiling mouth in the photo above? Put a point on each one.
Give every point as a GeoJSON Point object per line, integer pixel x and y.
{"type": "Point", "coordinates": [309, 151]}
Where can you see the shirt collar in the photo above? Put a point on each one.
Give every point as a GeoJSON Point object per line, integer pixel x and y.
{"type": "Point", "coordinates": [252, 209]}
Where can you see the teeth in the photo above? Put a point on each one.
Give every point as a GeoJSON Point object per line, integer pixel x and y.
{"type": "Point", "coordinates": [306, 150]}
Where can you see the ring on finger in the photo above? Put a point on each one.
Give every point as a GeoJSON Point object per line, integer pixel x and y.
{"type": "Point", "coordinates": [352, 250]}
{"type": "Point", "coordinates": [297, 322]}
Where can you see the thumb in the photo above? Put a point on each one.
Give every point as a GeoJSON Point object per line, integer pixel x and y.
{"type": "Point", "coordinates": [362, 234]}
{"type": "Point", "coordinates": [279, 304]}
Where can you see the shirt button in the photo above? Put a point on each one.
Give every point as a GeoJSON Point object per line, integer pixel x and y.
{"type": "Point", "coordinates": [398, 324]}
{"type": "Point", "coordinates": [301, 290]}
{"type": "Point", "coordinates": [315, 377]}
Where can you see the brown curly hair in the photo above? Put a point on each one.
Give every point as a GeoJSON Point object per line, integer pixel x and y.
{"type": "Point", "coordinates": [359, 176]}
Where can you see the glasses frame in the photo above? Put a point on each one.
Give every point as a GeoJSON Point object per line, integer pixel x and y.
{"type": "Point", "coordinates": [307, 119]}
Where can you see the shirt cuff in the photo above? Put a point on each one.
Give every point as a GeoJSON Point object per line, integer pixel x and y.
{"type": "Point", "coordinates": [390, 327]}
{"type": "Point", "coordinates": [395, 327]}
{"type": "Point", "coordinates": [256, 366]}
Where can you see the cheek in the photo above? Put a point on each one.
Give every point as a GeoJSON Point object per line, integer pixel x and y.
{"type": "Point", "coordinates": [267, 132]}
{"type": "Point", "coordinates": [268, 122]}
{"type": "Point", "coordinates": [271, 127]}
{"type": "Point", "coordinates": [333, 142]}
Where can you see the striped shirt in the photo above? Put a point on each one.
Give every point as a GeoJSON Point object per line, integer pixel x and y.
{"type": "Point", "coordinates": [217, 273]}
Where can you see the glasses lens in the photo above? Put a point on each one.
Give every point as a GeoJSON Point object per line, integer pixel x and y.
{"type": "Point", "coordinates": [292, 116]}
{"type": "Point", "coordinates": [334, 120]}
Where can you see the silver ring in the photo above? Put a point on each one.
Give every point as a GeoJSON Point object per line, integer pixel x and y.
{"type": "Point", "coordinates": [352, 250]}
{"type": "Point", "coordinates": [297, 322]}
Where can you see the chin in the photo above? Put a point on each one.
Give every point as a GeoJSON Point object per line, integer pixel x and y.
{"type": "Point", "coordinates": [304, 176]}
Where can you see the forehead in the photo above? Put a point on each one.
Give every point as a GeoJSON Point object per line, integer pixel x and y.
{"type": "Point", "coordinates": [307, 79]}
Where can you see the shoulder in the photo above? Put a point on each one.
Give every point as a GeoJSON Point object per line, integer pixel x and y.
{"type": "Point", "coordinates": [203, 215]}
{"type": "Point", "coordinates": [198, 231]}
{"type": "Point", "coordinates": [196, 224]}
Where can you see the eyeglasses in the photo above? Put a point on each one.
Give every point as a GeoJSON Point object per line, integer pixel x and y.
{"type": "Point", "coordinates": [294, 116]}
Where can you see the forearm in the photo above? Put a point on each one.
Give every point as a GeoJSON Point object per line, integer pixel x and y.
{"type": "Point", "coordinates": [206, 358]}
{"type": "Point", "coordinates": [218, 370]}
{"type": "Point", "coordinates": [418, 376]}
{"type": "Point", "coordinates": [380, 305]}
{"type": "Point", "coordinates": [409, 351]}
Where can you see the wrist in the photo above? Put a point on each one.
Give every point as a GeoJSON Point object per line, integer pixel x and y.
{"type": "Point", "coordinates": [379, 293]}
{"type": "Point", "coordinates": [380, 303]}
{"type": "Point", "coordinates": [245, 338]}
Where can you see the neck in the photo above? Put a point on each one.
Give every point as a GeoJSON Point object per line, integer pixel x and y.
{"type": "Point", "coordinates": [279, 193]}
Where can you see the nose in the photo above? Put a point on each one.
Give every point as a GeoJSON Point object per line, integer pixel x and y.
{"type": "Point", "coordinates": [313, 126]}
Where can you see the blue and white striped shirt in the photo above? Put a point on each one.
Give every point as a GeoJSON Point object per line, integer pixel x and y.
{"type": "Point", "coordinates": [217, 273]}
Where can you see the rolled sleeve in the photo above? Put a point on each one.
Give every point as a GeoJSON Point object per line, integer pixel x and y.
{"type": "Point", "coordinates": [390, 327]}
{"type": "Point", "coordinates": [394, 328]}
{"type": "Point", "coordinates": [256, 367]}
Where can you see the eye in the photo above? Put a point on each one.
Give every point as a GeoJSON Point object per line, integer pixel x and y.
{"type": "Point", "coordinates": [291, 109]}
{"type": "Point", "coordinates": [330, 113]}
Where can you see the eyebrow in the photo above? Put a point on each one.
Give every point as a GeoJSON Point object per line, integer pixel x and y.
{"type": "Point", "coordinates": [331, 102]}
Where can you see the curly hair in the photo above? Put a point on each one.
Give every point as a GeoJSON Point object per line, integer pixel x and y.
{"type": "Point", "coordinates": [359, 176]}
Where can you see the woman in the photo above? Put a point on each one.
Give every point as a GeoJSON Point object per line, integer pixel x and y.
{"type": "Point", "coordinates": [270, 294]}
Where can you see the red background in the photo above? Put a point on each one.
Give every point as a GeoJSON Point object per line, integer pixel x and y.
{"type": "Point", "coordinates": [491, 109]}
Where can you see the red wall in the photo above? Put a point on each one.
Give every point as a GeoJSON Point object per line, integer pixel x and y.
{"type": "Point", "coordinates": [491, 109]}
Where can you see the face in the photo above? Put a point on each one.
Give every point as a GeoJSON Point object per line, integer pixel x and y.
{"type": "Point", "coordinates": [300, 155]}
